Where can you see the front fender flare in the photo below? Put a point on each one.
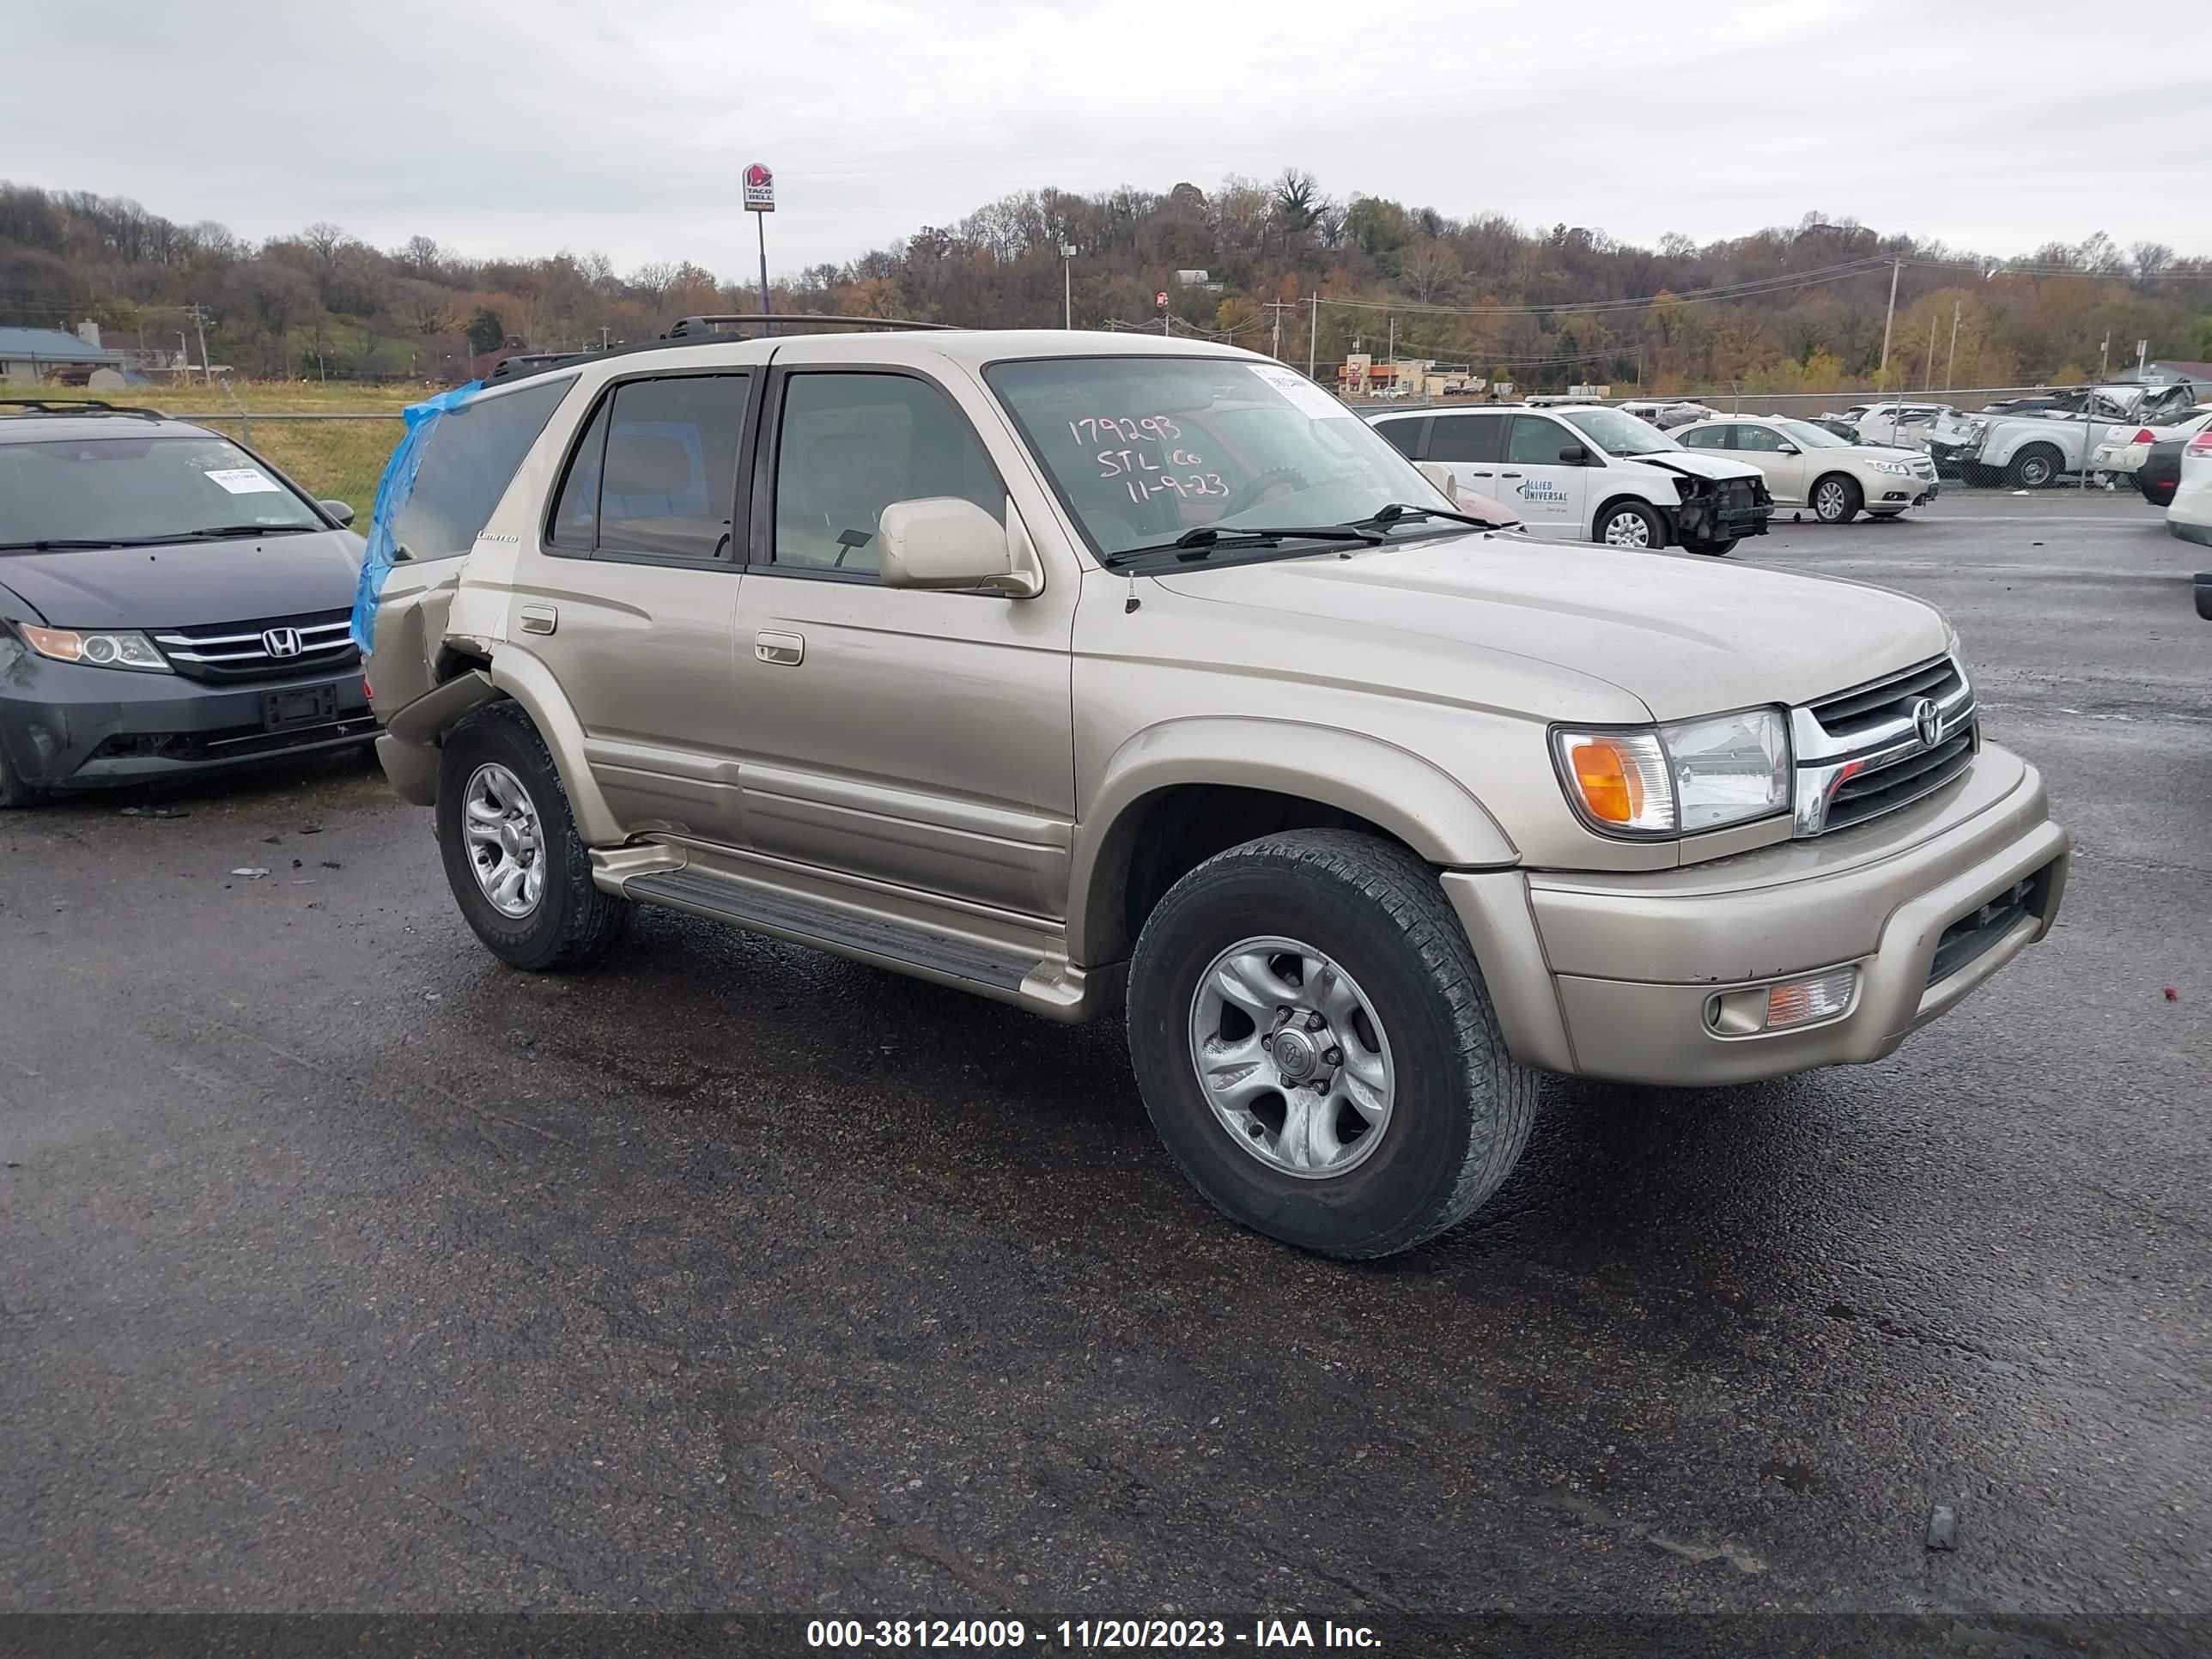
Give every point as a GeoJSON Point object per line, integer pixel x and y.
{"type": "Point", "coordinates": [1400, 792]}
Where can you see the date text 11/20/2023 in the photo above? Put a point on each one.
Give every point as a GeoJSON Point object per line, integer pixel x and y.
{"type": "Point", "coordinates": [1088, 1633]}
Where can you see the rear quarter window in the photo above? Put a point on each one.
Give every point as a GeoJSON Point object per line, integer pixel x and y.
{"type": "Point", "coordinates": [468, 460]}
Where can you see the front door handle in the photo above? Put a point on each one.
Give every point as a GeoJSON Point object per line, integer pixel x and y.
{"type": "Point", "coordinates": [539, 619]}
{"type": "Point", "coordinates": [1478, 475]}
{"type": "Point", "coordinates": [784, 650]}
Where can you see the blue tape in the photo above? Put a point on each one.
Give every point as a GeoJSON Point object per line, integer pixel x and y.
{"type": "Point", "coordinates": [393, 489]}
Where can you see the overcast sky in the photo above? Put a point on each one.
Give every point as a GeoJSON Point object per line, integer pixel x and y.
{"type": "Point", "coordinates": [522, 126]}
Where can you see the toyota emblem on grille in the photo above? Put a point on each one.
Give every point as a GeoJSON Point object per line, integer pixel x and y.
{"type": "Point", "coordinates": [1928, 721]}
{"type": "Point", "coordinates": [285, 642]}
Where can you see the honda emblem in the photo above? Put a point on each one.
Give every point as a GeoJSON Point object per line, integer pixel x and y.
{"type": "Point", "coordinates": [281, 641]}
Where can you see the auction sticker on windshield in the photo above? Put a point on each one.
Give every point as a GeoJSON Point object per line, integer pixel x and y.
{"type": "Point", "coordinates": [1302, 392]}
{"type": "Point", "coordinates": [242, 480]}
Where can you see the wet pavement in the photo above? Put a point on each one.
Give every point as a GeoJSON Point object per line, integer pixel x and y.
{"type": "Point", "coordinates": [342, 1268]}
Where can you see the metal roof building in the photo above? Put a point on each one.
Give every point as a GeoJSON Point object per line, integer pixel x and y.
{"type": "Point", "coordinates": [27, 355]}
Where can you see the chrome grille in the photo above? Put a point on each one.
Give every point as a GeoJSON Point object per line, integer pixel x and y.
{"type": "Point", "coordinates": [261, 650]}
{"type": "Point", "coordinates": [1866, 752]}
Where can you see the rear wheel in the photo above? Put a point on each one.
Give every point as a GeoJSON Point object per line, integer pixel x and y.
{"type": "Point", "coordinates": [1837, 499]}
{"type": "Point", "coordinates": [1630, 524]}
{"type": "Point", "coordinates": [519, 873]}
{"type": "Point", "coordinates": [1316, 1047]}
{"type": "Point", "coordinates": [2035, 467]}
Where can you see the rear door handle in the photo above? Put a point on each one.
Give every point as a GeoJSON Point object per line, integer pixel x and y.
{"type": "Point", "coordinates": [539, 619]}
{"type": "Point", "coordinates": [785, 650]}
{"type": "Point", "coordinates": [1502, 475]}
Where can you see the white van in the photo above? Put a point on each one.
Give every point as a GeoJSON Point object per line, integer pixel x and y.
{"type": "Point", "coordinates": [1586, 473]}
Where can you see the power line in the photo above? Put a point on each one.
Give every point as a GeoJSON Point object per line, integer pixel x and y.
{"type": "Point", "coordinates": [1689, 297]}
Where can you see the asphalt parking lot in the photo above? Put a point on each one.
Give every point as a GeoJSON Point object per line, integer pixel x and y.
{"type": "Point", "coordinates": [341, 1268]}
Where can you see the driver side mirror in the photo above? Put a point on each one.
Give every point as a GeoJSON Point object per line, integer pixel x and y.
{"type": "Point", "coordinates": [1441, 476]}
{"type": "Point", "coordinates": [1574, 455]}
{"type": "Point", "coordinates": [945, 541]}
{"type": "Point", "coordinates": [1787, 449]}
{"type": "Point", "coordinates": [339, 510]}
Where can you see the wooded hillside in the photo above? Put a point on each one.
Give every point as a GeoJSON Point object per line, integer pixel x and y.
{"type": "Point", "coordinates": [1778, 310]}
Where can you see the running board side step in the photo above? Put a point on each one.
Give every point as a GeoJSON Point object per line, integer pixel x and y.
{"type": "Point", "coordinates": [1044, 984]}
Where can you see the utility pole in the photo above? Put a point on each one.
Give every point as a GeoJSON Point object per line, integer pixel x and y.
{"type": "Point", "coordinates": [1951, 362]}
{"type": "Point", "coordinates": [1928, 374]}
{"type": "Point", "coordinates": [199, 319]}
{"type": "Point", "coordinates": [2104, 357]}
{"type": "Point", "coordinates": [1313, 335]}
{"type": "Point", "coordinates": [1394, 350]}
{"type": "Point", "coordinates": [1895, 267]}
{"type": "Point", "coordinates": [1067, 285]}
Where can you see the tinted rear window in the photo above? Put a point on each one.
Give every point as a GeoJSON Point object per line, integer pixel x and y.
{"type": "Point", "coordinates": [472, 455]}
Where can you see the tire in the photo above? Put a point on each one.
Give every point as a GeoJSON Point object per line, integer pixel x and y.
{"type": "Point", "coordinates": [1719, 549]}
{"type": "Point", "coordinates": [1975, 476]}
{"type": "Point", "coordinates": [14, 791]}
{"type": "Point", "coordinates": [1837, 499]}
{"type": "Point", "coordinates": [1457, 1108]}
{"type": "Point", "coordinates": [1628, 524]}
{"type": "Point", "coordinates": [563, 921]}
{"type": "Point", "coordinates": [2157, 496]}
{"type": "Point", "coordinates": [2036, 467]}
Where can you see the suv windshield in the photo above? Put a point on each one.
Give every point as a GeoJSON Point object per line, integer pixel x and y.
{"type": "Point", "coordinates": [121, 490]}
{"type": "Point", "coordinates": [1617, 433]}
{"type": "Point", "coordinates": [1810, 436]}
{"type": "Point", "coordinates": [1143, 450]}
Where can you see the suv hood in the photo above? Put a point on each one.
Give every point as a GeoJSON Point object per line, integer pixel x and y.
{"type": "Point", "coordinates": [1686, 635]}
{"type": "Point", "coordinates": [182, 584]}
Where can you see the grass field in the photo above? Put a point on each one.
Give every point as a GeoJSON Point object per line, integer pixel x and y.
{"type": "Point", "coordinates": [336, 461]}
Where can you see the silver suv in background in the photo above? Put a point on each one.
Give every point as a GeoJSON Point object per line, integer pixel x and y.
{"type": "Point", "coordinates": [1100, 674]}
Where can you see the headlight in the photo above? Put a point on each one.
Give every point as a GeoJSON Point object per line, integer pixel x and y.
{"type": "Point", "coordinates": [1900, 468]}
{"type": "Point", "coordinates": [116, 648]}
{"type": "Point", "coordinates": [1681, 779]}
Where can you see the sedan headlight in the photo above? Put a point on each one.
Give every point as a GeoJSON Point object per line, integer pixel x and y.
{"type": "Point", "coordinates": [112, 648]}
{"type": "Point", "coordinates": [1679, 779]}
{"type": "Point", "coordinates": [1900, 468]}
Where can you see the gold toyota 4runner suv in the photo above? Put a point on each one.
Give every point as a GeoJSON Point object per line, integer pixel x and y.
{"type": "Point", "coordinates": [1091, 671]}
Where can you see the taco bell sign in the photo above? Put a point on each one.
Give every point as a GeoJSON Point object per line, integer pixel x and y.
{"type": "Point", "coordinates": [760, 189]}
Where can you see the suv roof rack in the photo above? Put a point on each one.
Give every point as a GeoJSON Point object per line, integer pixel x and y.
{"type": "Point", "coordinates": [685, 328]}
{"type": "Point", "coordinates": [707, 329]}
{"type": "Point", "coordinates": [85, 406]}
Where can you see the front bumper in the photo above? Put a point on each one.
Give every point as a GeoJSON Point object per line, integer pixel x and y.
{"type": "Point", "coordinates": [65, 726]}
{"type": "Point", "coordinates": [1619, 976]}
{"type": "Point", "coordinates": [1707, 517]}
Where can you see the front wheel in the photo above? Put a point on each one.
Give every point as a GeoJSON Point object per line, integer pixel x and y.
{"type": "Point", "coordinates": [1836, 500]}
{"type": "Point", "coordinates": [519, 871]}
{"type": "Point", "coordinates": [1316, 1047]}
{"type": "Point", "coordinates": [1630, 524]}
{"type": "Point", "coordinates": [1718, 548]}
{"type": "Point", "coordinates": [14, 791]}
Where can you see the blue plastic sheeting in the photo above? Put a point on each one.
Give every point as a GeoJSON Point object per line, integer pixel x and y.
{"type": "Point", "coordinates": [393, 490]}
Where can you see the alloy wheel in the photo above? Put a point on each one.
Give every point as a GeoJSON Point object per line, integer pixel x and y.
{"type": "Point", "coordinates": [1291, 1057]}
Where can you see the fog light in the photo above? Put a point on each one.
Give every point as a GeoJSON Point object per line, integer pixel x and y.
{"type": "Point", "coordinates": [1785, 1004]}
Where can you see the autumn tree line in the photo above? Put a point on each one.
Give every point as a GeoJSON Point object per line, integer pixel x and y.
{"type": "Point", "coordinates": [1800, 307]}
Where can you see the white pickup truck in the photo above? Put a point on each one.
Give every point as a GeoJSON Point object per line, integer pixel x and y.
{"type": "Point", "coordinates": [2036, 448]}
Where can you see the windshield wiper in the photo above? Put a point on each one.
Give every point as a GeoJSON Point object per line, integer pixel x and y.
{"type": "Point", "coordinates": [216, 533]}
{"type": "Point", "coordinates": [54, 545]}
{"type": "Point", "coordinates": [1198, 543]}
{"type": "Point", "coordinates": [1383, 518]}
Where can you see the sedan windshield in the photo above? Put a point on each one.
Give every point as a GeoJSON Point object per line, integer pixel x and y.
{"type": "Point", "coordinates": [125, 491]}
{"type": "Point", "coordinates": [1809, 436]}
{"type": "Point", "coordinates": [1617, 433]}
{"type": "Point", "coordinates": [1145, 451]}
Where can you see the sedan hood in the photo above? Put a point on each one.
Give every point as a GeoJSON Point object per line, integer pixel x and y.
{"type": "Point", "coordinates": [188, 583]}
{"type": "Point", "coordinates": [1686, 635]}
